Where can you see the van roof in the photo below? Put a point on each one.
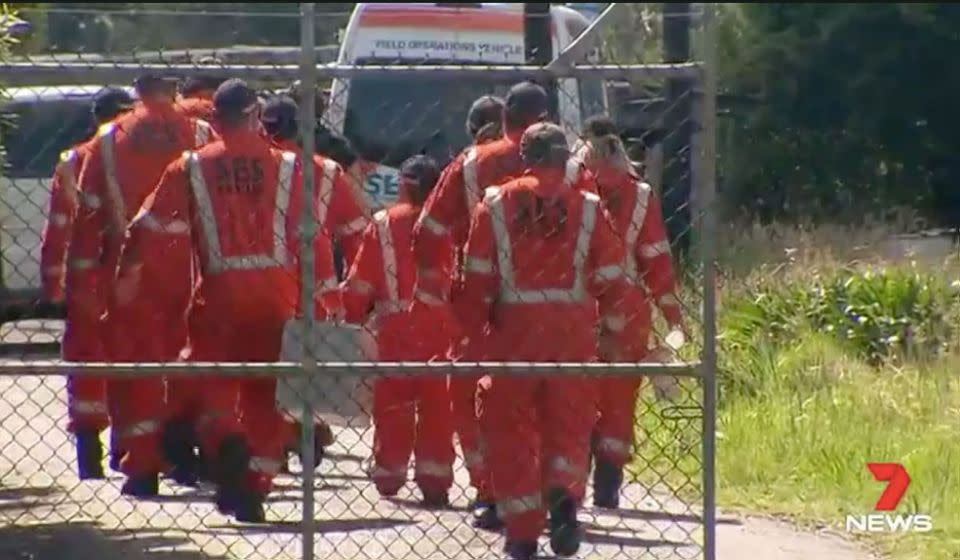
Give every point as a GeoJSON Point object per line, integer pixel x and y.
{"type": "Point", "coordinates": [52, 93]}
{"type": "Point", "coordinates": [500, 17]}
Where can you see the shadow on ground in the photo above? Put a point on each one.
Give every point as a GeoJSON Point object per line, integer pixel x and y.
{"type": "Point", "coordinates": [87, 541]}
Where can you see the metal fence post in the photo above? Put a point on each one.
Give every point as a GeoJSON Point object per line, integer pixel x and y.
{"type": "Point", "coordinates": [308, 82]}
{"type": "Point", "coordinates": [705, 177]}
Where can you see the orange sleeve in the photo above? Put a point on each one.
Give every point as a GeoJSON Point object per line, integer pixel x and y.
{"type": "Point", "coordinates": [56, 232]}
{"type": "Point", "coordinates": [348, 219]}
{"type": "Point", "coordinates": [165, 217]}
{"type": "Point", "coordinates": [327, 289]}
{"type": "Point", "coordinates": [364, 284]}
{"type": "Point", "coordinates": [656, 263]}
{"type": "Point", "coordinates": [474, 296]}
{"type": "Point", "coordinates": [607, 281]}
{"type": "Point", "coordinates": [441, 227]}
{"type": "Point", "coordinates": [85, 250]}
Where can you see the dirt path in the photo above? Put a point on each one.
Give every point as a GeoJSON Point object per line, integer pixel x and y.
{"type": "Point", "coordinates": [47, 514]}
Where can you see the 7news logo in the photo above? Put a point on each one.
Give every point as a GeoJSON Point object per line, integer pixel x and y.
{"type": "Point", "coordinates": [897, 481]}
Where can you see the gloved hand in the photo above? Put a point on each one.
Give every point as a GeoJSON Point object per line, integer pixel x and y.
{"type": "Point", "coordinates": [665, 387]}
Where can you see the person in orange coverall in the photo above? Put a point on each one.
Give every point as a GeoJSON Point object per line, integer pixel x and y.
{"type": "Point", "coordinates": [239, 200]}
{"type": "Point", "coordinates": [541, 259]}
{"type": "Point", "coordinates": [410, 414]}
{"type": "Point", "coordinates": [344, 213]}
{"type": "Point", "coordinates": [87, 408]}
{"type": "Point", "coordinates": [196, 97]}
{"type": "Point", "coordinates": [126, 159]}
{"type": "Point", "coordinates": [441, 232]}
{"type": "Point", "coordinates": [637, 216]}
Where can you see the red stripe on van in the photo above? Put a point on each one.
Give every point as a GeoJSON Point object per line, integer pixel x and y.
{"type": "Point", "coordinates": [472, 20]}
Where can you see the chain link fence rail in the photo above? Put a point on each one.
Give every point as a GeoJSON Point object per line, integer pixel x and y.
{"type": "Point", "coordinates": [388, 107]}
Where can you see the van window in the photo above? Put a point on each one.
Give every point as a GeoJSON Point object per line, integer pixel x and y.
{"type": "Point", "coordinates": [388, 119]}
{"type": "Point", "coordinates": [592, 100]}
{"type": "Point", "coordinates": [34, 134]}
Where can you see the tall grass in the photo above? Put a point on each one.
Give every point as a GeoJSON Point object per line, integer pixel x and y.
{"type": "Point", "coordinates": [836, 348]}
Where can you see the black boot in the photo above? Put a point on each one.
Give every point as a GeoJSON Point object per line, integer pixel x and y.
{"type": "Point", "coordinates": [141, 487]}
{"type": "Point", "coordinates": [564, 529]}
{"type": "Point", "coordinates": [89, 455]}
{"type": "Point", "coordinates": [229, 470]}
{"type": "Point", "coordinates": [607, 479]}
{"type": "Point", "coordinates": [485, 517]}
{"type": "Point", "coordinates": [520, 550]}
{"type": "Point", "coordinates": [177, 443]}
{"type": "Point", "coordinates": [249, 508]}
{"type": "Point", "coordinates": [435, 500]}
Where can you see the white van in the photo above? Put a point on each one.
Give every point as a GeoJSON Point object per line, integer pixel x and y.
{"type": "Point", "coordinates": [36, 124]}
{"type": "Point", "coordinates": [387, 119]}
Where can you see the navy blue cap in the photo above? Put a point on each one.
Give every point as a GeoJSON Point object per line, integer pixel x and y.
{"type": "Point", "coordinates": [234, 98]}
{"type": "Point", "coordinates": [279, 108]}
{"type": "Point", "coordinates": [154, 79]}
{"type": "Point", "coordinates": [527, 100]}
{"type": "Point", "coordinates": [111, 101]}
{"type": "Point", "coordinates": [422, 170]}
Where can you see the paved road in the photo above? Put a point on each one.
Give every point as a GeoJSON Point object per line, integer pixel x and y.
{"type": "Point", "coordinates": [47, 514]}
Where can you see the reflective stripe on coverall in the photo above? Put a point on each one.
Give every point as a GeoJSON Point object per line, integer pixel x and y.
{"type": "Point", "coordinates": [411, 414]}
{"type": "Point", "coordinates": [115, 180]}
{"type": "Point", "coordinates": [540, 293]}
{"type": "Point", "coordinates": [636, 212]}
{"type": "Point", "coordinates": [439, 236]}
{"type": "Point", "coordinates": [248, 282]}
{"type": "Point", "coordinates": [86, 395]}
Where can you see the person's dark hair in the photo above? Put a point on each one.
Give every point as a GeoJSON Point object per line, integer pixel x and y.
{"type": "Point", "coordinates": [279, 117]}
{"type": "Point", "coordinates": [599, 125]}
{"type": "Point", "coordinates": [196, 84]}
{"type": "Point", "coordinates": [422, 172]}
{"type": "Point", "coordinates": [485, 118]}
{"type": "Point", "coordinates": [526, 104]}
{"type": "Point", "coordinates": [156, 84]}
{"type": "Point", "coordinates": [544, 145]}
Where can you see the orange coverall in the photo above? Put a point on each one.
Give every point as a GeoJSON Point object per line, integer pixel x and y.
{"type": "Point", "coordinates": [535, 283]}
{"type": "Point", "coordinates": [126, 160]}
{"type": "Point", "coordinates": [636, 213]}
{"type": "Point", "coordinates": [439, 235]}
{"type": "Point", "coordinates": [87, 407]}
{"type": "Point", "coordinates": [411, 414]}
{"type": "Point", "coordinates": [239, 199]}
{"type": "Point", "coordinates": [346, 218]}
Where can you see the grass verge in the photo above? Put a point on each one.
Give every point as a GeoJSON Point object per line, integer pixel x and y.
{"type": "Point", "coordinates": [827, 363]}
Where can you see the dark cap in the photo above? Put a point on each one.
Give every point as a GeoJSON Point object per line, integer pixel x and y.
{"type": "Point", "coordinates": [485, 110]}
{"type": "Point", "coordinates": [111, 101]}
{"type": "Point", "coordinates": [279, 108]}
{"type": "Point", "coordinates": [234, 98]}
{"type": "Point", "coordinates": [422, 170]}
{"type": "Point", "coordinates": [544, 144]}
{"type": "Point", "coordinates": [527, 101]}
{"type": "Point", "coordinates": [151, 80]}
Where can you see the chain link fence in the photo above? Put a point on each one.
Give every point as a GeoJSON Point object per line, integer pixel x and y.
{"type": "Point", "coordinates": [398, 82]}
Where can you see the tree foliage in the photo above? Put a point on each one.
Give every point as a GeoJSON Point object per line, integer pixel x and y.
{"type": "Point", "coordinates": [851, 108]}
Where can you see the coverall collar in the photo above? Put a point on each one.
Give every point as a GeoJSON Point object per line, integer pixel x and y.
{"type": "Point", "coordinates": [550, 181]}
{"type": "Point", "coordinates": [514, 135]}
{"type": "Point", "coordinates": [156, 106]}
{"type": "Point", "coordinates": [240, 134]}
{"type": "Point", "coordinates": [286, 145]}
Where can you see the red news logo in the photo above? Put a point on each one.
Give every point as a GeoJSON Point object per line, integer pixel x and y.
{"type": "Point", "coordinates": [898, 481]}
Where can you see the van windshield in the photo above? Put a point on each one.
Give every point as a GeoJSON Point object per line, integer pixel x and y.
{"type": "Point", "coordinates": [34, 134]}
{"type": "Point", "coordinates": [388, 119]}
